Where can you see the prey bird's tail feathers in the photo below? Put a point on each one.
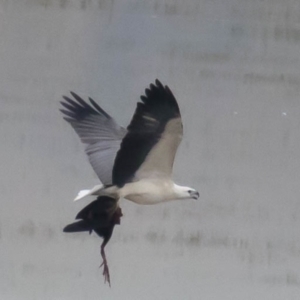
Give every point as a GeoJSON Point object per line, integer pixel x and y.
{"type": "Point", "coordinates": [79, 226]}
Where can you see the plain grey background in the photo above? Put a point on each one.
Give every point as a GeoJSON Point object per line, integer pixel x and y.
{"type": "Point", "coordinates": [234, 67]}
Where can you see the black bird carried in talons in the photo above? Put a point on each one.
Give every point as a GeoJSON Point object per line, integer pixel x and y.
{"type": "Point", "coordinates": [100, 216]}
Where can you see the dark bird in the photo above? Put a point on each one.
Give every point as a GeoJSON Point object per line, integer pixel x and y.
{"type": "Point", "coordinates": [101, 216]}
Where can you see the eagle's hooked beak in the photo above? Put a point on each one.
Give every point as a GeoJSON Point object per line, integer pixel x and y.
{"type": "Point", "coordinates": [194, 194]}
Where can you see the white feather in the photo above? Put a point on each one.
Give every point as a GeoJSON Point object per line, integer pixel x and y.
{"type": "Point", "coordinates": [93, 191]}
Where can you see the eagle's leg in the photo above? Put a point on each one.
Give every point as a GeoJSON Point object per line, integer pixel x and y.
{"type": "Point", "coordinates": [104, 264]}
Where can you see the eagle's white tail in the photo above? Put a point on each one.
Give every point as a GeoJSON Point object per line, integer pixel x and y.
{"type": "Point", "coordinates": [94, 191]}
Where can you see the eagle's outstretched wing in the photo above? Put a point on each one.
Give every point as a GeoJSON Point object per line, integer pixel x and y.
{"type": "Point", "coordinates": [98, 131]}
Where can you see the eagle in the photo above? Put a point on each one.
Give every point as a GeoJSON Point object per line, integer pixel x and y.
{"type": "Point", "coordinates": [134, 163]}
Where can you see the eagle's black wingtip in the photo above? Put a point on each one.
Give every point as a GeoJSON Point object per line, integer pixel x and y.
{"type": "Point", "coordinates": [158, 83]}
{"type": "Point", "coordinates": [74, 94]}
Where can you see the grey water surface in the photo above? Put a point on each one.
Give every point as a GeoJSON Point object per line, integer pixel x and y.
{"type": "Point", "coordinates": [234, 67]}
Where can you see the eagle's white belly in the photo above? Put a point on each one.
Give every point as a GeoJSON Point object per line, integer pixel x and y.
{"type": "Point", "coordinates": [151, 191]}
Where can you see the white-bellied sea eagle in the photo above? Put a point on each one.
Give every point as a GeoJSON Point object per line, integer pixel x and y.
{"type": "Point", "coordinates": [134, 163]}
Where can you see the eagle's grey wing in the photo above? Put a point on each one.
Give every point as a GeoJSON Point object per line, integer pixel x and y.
{"type": "Point", "coordinates": [98, 131]}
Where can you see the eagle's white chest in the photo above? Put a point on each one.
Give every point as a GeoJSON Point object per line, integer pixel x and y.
{"type": "Point", "coordinates": [150, 191]}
